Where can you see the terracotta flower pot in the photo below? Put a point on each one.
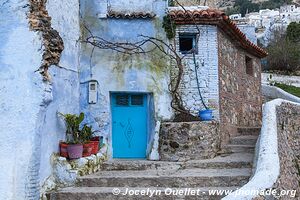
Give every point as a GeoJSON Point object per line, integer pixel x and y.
{"type": "Point", "coordinates": [87, 149]}
{"type": "Point", "coordinates": [95, 148]}
{"type": "Point", "coordinates": [75, 151]}
{"type": "Point", "coordinates": [63, 151]}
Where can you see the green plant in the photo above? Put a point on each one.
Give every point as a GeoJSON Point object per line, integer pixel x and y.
{"type": "Point", "coordinates": [169, 26]}
{"type": "Point", "coordinates": [289, 88]}
{"type": "Point", "coordinates": [284, 54]}
{"type": "Point", "coordinates": [86, 133]}
{"type": "Point", "coordinates": [73, 122]}
{"type": "Point", "coordinates": [293, 32]}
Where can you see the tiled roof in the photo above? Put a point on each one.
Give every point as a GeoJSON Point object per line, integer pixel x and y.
{"type": "Point", "coordinates": [131, 15]}
{"type": "Point", "coordinates": [217, 17]}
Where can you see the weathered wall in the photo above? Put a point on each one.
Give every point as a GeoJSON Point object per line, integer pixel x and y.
{"type": "Point", "coordinates": [30, 129]}
{"type": "Point", "coordinates": [120, 72]}
{"type": "Point", "coordinates": [21, 95]}
{"type": "Point", "coordinates": [189, 141]}
{"type": "Point", "coordinates": [288, 126]}
{"type": "Point", "coordinates": [240, 93]}
{"type": "Point", "coordinates": [207, 61]}
{"type": "Point", "coordinates": [65, 80]}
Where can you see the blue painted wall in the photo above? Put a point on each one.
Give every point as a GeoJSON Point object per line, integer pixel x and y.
{"type": "Point", "coordinates": [119, 72]}
{"type": "Point", "coordinates": [30, 130]}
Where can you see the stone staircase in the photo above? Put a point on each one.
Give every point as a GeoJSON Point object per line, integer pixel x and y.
{"type": "Point", "coordinates": [225, 172]}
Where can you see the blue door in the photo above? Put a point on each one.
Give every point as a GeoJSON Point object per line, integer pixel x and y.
{"type": "Point", "coordinates": [129, 125]}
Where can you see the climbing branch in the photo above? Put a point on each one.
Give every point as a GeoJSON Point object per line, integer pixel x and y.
{"type": "Point", "coordinates": [142, 47]}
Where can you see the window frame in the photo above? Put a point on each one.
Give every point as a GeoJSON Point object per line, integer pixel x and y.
{"type": "Point", "coordinates": [192, 36]}
{"type": "Point", "coordinates": [249, 65]}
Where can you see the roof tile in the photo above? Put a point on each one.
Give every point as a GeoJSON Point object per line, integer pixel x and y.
{"type": "Point", "coordinates": [217, 17]}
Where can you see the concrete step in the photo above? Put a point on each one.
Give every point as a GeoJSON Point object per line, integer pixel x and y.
{"type": "Point", "coordinates": [234, 148]}
{"type": "Point", "coordinates": [249, 130]}
{"type": "Point", "coordinates": [113, 165]}
{"type": "Point", "coordinates": [168, 178]}
{"type": "Point", "coordinates": [236, 160]}
{"type": "Point", "coordinates": [98, 193]}
{"type": "Point", "coordinates": [244, 140]}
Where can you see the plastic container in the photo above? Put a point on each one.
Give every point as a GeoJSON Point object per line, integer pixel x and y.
{"type": "Point", "coordinates": [206, 115]}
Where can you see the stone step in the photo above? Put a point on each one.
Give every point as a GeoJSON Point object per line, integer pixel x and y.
{"type": "Point", "coordinates": [236, 160]}
{"type": "Point", "coordinates": [168, 178]}
{"type": "Point", "coordinates": [98, 193]}
{"type": "Point", "coordinates": [234, 148]}
{"type": "Point", "coordinates": [249, 130]}
{"type": "Point", "coordinates": [244, 140]}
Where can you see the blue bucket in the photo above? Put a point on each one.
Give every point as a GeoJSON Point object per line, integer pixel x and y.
{"type": "Point", "coordinates": [205, 115]}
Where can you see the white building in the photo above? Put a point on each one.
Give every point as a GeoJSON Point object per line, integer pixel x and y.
{"type": "Point", "coordinates": [266, 21]}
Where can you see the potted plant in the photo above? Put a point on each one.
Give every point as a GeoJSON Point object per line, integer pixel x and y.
{"type": "Point", "coordinates": [63, 151]}
{"type": "Point", "coordinates": [74, 140]}
{"type": "Point", "coordinates": [95, 144]}
{"type": "Point", "coordinates": [86, 134]}
{"type": "Point", "coordinates": [97, 140]}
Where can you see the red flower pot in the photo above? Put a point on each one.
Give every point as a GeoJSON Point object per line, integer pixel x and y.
{"type": "Point", "coordinates": [95, 148]}
{"type": "Point", "coordinates": [75, 151]}
{"type": "Point", "coordinates": [87, 149]}
{"type": "Point", "coordinates": [63, 151]}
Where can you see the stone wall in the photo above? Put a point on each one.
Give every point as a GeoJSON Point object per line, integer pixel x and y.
{"type": "Point", "coordinates": [207, 61]}
{"type": "Point", "coordinates": [189, 140]}
{"type": "Point", "coordinates": [240, 93]}
{"type": "Point", "coordinates": [288, 126]}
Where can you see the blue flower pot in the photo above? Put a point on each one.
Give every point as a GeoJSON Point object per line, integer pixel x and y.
{"type": "Point", "coordinates": [206, 115]}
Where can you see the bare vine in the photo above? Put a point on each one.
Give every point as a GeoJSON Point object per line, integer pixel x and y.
{"type": "Point", "coordinates": [139, 47]}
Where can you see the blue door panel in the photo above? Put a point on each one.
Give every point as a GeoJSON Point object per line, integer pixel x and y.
{"type": "Point", "coordinates": [129, 125]}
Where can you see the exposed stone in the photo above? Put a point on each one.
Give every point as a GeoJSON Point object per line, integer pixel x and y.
{"type": "Point", "coordinates": [189, 140]}
{"type": "Point", "coordinates": [40, 21]}
{"type": "Point", "coordinates": [288, 126]}
{"type": "Point", "coordinates": [240, 93]}
{"type": "Point", "coordinates": [288, 135]}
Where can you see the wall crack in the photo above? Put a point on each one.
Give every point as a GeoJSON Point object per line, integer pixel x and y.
{"type": "Point", "coordinates": [40, 21]}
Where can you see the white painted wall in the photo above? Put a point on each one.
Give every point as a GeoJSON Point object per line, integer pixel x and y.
{"type": "Point", "coordinates": [30, 130]}
{"type": "Point", "coordinates": [288, 80]}
{"type": "Point", "coordinates": [208, 72]}
{"type": "Point", "coordinates": [267, 167]}
{"type": "Point", "coordinates": [273, 92]}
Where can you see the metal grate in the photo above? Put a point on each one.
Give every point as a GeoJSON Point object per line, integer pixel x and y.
{"type": "Point", "coordinates": [122, 100]}
{"type": "Point", "coordinates": [137, 100]}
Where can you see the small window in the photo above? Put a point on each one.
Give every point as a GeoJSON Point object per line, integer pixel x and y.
{"type": "Point", "coordinates": [249, 66]}
{"type": "Point", "coordinates": [122, 100]}
{"type": "Point", "coordinates": [137, 100]}
{"type": "Point", "coordinates": [186, 43]}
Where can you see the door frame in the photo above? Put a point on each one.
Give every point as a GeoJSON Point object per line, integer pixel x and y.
{"type": "Point", "coordinates": [149, 96]}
